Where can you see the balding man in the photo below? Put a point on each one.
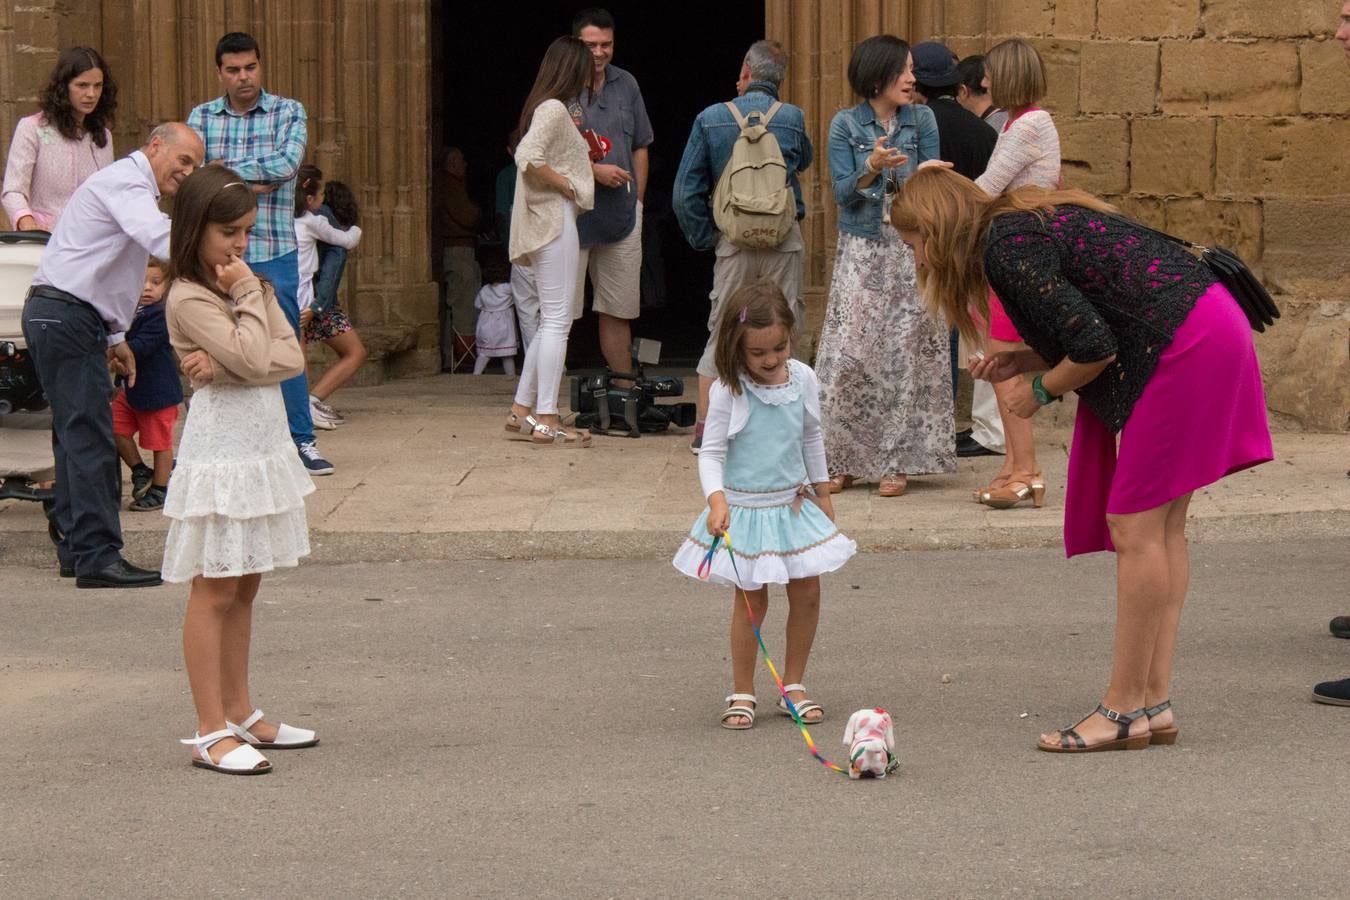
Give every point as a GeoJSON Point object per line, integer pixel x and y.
{"type": "Point", "coordinates": [79, 307]}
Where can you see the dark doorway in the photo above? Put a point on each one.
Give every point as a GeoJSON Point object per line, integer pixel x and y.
{"type": "Point", "coordinates": [684, 56]}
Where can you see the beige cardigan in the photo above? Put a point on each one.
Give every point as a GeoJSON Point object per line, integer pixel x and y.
{"type": "Point", "coordinates": [537, 214]}
{"type": "Point", "coordinates": [248, 337]}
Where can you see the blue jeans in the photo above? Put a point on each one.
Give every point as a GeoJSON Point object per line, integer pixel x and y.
{"type": "Point", "coordinates": [284, 273]}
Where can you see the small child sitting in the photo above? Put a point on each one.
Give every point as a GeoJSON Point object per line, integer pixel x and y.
{"type": "Point", "coordinates": [150, 406]}
{"type": "Point", "coordinates": [495, 334]}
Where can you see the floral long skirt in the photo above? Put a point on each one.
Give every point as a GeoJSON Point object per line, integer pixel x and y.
{"type": "Point", "coordinates": [883, 365]}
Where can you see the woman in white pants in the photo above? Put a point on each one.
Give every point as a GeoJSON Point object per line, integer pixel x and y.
{"type": "Point", "coordinates": [553, 185]}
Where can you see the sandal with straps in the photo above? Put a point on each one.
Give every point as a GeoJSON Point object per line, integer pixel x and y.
{"type": "Point", "coordinates": [1070, 741]}
{"type": "Point", "coordinates": [1017, 489]}
{"type": "Point", "coordinates": [745, 712]}
{"type": "Point", "coordinates": [1165, 735]}
{"type": "Point", "coordinates": [288, 737]}
{"type": "Point", "coordinates": [841, 483]}
{"type": "Point", "coordinates": [242, 760]}
{"type": "Point", "coordinates": [516, 429]}
{"type": "Point", "coordinates": [803, 706]}
{"type": "Point", "coordinates": [544, 436]}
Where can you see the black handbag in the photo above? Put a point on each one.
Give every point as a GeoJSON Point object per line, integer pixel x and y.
{"type": "Point", "coordinates": [1233, 274]}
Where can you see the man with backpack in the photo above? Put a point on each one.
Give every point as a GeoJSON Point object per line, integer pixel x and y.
{"type": "Point", "coordinates": [737, 193]}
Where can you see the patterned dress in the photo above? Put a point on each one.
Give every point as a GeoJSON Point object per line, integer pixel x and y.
{"type": "Point", "coordinates": [883, 363]}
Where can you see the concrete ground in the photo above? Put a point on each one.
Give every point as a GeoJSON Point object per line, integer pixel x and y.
{"type": "Point", "coordinates": [548, 729]}
{"type": "Point", "coordinates": [424, 473]}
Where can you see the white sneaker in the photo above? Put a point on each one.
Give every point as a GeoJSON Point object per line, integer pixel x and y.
{"type": "Point", "coordinates": [328, 411]}
{"type": "Point", "coordinates": [319, 419]}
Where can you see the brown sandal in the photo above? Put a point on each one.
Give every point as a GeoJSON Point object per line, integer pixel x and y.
{"type": "Point", "coordinates": [1167, 734]}
{"type": "Point", "coordinates": [1070, 741]}
{"type": "Point", "coordinates": [999, 481]}
{"type": "Point", "coordinates": [841, 483]}
{"type": "Point", "coordinates": [894, 485]}
{"type": "Point", "coordinates": [1017, 489]}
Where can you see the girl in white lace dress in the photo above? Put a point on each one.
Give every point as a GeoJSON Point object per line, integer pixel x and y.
{"type": "Point", "coordinates": [236, 499]}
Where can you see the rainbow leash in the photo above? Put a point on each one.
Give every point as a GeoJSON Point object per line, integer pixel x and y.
{"type": "Point", "coordinates": [704, 570]}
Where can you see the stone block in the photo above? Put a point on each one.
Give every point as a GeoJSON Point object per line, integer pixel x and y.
{"type": "Point", "coordinates": [1153, 19]}
{"type": "Point", "coordinates": [965, 17]}
{"type": "Point", "coordinates": [1095, 154]}
{"type": "Point", "coordinates": [1119, 77]}
{"type": "Point", "coordinates": [367, 309]}
{"type": "Point", "coordinates": [1226, 223]}
{"type": "Point", "coordinates": [414, 305]}
{"type": "Point", "coordinates": [1062, 65]}
{"type": "Point", "coordinates": [1286, 18]}
{"type": "Point", "coordinates": [1021, 18]}
{"type": "Point", "coordinates": [414, 363]}
{"type": "Point", "coordinates": [1171, 156]}
{"type": "Point", "coordinates": [1149, 210]}
{"type": "Point", "coordinates": [1305, 237]}
{"type": "Point", "coordinates": [1289, 157]}
{"type": "Point", "coordinates": [1325, 83]}
{"type": "Point", "coordinates": [1303, 360]}
{"type": "Point", "coordinates": [1241, 79]}
{"type": "Point", "coordinates": [1075, 18]}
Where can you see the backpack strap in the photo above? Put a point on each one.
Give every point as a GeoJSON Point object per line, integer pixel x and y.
{"type": "Point", "coordinates": [764, 120]}
{"type": "Point", "coordinates": [764, 117]}
{"type": "Point", "coordinates": [736, 114]}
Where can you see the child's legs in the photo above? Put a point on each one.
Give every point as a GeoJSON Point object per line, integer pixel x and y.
{"type": "Point", "coordinates": [156, 428]}
{"type": "Point", "coordinates": [351, 354]}
{"type": "Point", "coordinates": [480, 363]}
{"type": "Point", "coordinates": [236, 634]}
{"type": "Point", "coordinates": [163, 468]}
{"type": "Point", "coordinates": [210, 602]}
{"type": "Point", "coordinates": [803, 615]}
{"type": "Point", "coordinates": [124, 430]}
{"type": "Point", "coordinates": [744, 647]}
{"type": "Point", "coordinates": [126, 448]}
{"type": "Point", "coordinates": [509, 366]}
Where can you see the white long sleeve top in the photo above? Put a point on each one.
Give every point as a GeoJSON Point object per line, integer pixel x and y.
{"type": "Point", "coordinates": [1027, 153]}
{"type": "Point", "coordinates": [312, 228]}
{"type": "Point", "coordinates": [727, 415]}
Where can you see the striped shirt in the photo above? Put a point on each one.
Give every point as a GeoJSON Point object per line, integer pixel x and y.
{"type": "Point", "coordinates": [266, 146]}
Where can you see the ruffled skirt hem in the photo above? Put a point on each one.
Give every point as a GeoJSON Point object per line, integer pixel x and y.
{"type": "Point", "coordinates": [222, 547]}
{"type": "Point", "coordinates": [767, 567]}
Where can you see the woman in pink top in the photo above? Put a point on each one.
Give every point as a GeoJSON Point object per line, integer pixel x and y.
{"type": "Point", "coordinates": [58, 147]}
{"type": "Point", "coordinates": [1027, 154]}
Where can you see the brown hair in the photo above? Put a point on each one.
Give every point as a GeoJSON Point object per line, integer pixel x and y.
{"type": "Point", "coordinates": [1016, 74]}
{"type": "Point", "coordinates": [55, 98]}
{"type": "Point", "coordinates": [563, 74]}
{"type": "Point", "coordinates": [155, 262]}
{"type": "Point", "coordinates": [759, 304]}
{"type": "Point", "coordinates": [212, 194]}
{"type": "Point", "coordinates": [308, 180]}
{"type": "Point", "coordinates": [951, 215]}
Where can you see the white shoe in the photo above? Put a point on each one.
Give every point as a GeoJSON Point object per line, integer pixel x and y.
{"type": "Point", "coordinates": [320, 420]}
{"type": "Point", "coordinates": [287, 738]}
{"type": "Point", "coordinates": [243, 760]}
{"type": "Point", "coordinates": [328, 412]}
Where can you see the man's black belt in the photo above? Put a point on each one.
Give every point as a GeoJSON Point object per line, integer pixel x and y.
{"type": "Point", "coordinates": [48, 292]}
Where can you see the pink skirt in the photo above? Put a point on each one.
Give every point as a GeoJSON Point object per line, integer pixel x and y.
{"type": "Point", "coordinates": [1000, 326]}
{"type": "Point", "coordinates": [1202, 416]}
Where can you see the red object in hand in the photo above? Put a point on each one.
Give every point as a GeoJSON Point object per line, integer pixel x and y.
{"type": "Point", "coordinates": [597, 145]}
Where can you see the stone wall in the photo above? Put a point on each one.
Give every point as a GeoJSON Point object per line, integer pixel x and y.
{"type": "Point", "coordinates": [1223, 120]}
{"type": "Point", "coordinates": [360, 67]}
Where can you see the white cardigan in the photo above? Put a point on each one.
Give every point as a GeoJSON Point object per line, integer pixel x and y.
{"type": "Point", "coordinates": [727, 415]}
{"type": "Point", "coordinates": [1026, 154]}
{"type": "Point", "coordinates": [537, 213]}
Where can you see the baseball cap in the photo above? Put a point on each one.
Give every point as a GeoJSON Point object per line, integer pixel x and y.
{"type": "Point", "coordinates": [934, 65]}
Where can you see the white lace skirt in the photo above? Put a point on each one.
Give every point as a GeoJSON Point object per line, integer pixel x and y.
{"type": "Point", "coordinates": [236, 500]}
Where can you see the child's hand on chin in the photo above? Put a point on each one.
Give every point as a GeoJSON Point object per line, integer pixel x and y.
{"type": "Point", "coordinates": [232, 272]}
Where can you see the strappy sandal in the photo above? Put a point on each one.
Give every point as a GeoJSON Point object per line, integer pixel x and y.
{"type": "Point", "coordinates": [803, 706]}
{"type": "Point", "coordinates": [516, 429]}
{"type": "Point", "coordinates": [746, 712]}
{"type": "Point", "coordinates": [1070, 741]}
{"type": "Point", "coordinates": [999, 481]}
{"type": "Point", "coordinates": [242, 760]}
{"type": "Point", "coordinates": [1167, 734]}
{"type": "Point", "coordinates": [544, 436]}
{"type": "Point", "coordinates": [893, 485]}
{"type": "Point", "coordinates": [1017, 489]}
{"type": "Point", "coordinates": [288, 738]}
{"type": "Point", "coordinates": [841, 483]}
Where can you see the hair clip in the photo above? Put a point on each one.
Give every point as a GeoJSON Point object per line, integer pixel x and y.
{"type": "Point", "coordinates": [745, 311]}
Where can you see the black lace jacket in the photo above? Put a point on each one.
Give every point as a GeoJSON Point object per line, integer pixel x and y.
{"type": "Point", "coordinates": [1085, 285]}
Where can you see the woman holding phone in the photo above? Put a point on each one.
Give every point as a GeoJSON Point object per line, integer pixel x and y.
{"type": "Point", "coordinates": [883, 362]}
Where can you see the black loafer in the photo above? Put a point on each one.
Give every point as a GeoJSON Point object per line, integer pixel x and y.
{"type": "Point", "coordinates": [120, 574]}
{"type": "Point", "coordinates": [1340, 626]}
{"type": "Point", "coordinates": [1334, 693]}
{"type": "Point", "coordinates": [968, 447]}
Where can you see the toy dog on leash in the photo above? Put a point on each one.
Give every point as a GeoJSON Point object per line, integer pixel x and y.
{"type": "Point", "coordinates": [870, 737]}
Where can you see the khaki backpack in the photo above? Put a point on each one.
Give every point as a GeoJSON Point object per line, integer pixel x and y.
{"type": "Point", "coordinates": [753, 203]}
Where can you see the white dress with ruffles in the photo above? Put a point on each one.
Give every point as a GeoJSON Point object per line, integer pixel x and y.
{"type": "Point", "coordinates": [236, 500]}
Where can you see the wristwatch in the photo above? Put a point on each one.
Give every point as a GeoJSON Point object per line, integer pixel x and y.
{"type": "Point", "coordinates": [1043, 397]}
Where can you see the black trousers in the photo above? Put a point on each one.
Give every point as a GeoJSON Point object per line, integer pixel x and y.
{"type": "Point", "coordinates": [69, 346]}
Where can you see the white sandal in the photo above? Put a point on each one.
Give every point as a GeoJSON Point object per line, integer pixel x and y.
{"type": "Point", "coordinates": [747, 712]}
{"type": "Point", "coordinates": [803, 706]}
{"type": "Point", "coordinates": [243, 760]}
{"type": "Point", "coordinates": [288, 738]}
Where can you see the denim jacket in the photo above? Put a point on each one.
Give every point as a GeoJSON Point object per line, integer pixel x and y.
{"type": "Point", "coordinates": [710, 142]}
{"type": "Point", "coordinates": [853, 137]}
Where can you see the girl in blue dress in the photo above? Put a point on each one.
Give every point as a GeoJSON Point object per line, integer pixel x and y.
{"type": "Point", "coordinates": [763, 471]}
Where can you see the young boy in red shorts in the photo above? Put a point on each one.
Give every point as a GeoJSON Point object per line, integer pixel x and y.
{"type": "Point", "coordinates": [150, 407]}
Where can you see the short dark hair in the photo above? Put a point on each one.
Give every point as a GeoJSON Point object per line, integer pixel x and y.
{"type": "Point", "coordinates": [972, 73]}
{"type": "Point", "coordinates": [933, 91]}
{"type": "Point", "coordinates": [236, 42]}
{"type": "Point", "coordinates": [875, 63]}
{"type": "Point", "coordinates": [592, 16]}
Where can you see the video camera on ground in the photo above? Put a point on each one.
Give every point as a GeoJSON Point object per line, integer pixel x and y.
{"type": "Point", "coordinates": [604, 407]}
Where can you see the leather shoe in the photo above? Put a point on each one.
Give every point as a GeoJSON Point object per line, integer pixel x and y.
{"type": "Point", "coordinates": [967, 447]}
{"type": "Point", "coordinates": [120, 574]}
{"type": "Point", "coordinates": [1340, 626]}
{"type": "Point", "coordinates": [67, 571]}
{"type": "Point", "coordinates": [1334, 693]}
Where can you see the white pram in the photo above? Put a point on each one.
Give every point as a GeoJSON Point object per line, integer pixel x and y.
{"type": "Point", "coordinates": [25, 427]}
